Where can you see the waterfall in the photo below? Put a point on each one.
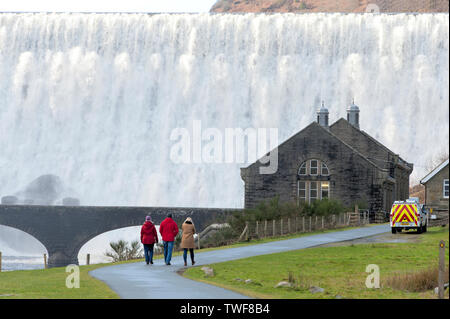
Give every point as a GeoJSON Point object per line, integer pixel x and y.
{"type": "Point", "coordinates": [93, 98]}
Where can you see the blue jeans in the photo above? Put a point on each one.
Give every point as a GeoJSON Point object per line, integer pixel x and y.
{"type": "Point", "coordinates": [191, 252]}
{"type": "Point", "coordinates": [148, 252]}
{"type": "Point", "coordinates": [168, 247]}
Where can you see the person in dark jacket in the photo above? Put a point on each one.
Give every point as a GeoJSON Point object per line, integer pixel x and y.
{"type": "Point", "coordinates": [168, 230]}
{"type": "Point", "coordinates": [149, 237]}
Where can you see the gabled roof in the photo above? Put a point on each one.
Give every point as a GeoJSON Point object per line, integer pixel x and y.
{"type": "Point", "coordinates": [380, 146]}
{"type": "Point", "coordinates": [434, 172]}
{"type": "Point", "coordinates": [315, 124]}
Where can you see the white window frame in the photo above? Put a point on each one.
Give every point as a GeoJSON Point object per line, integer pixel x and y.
{"type": "Point", "coordinates": [328, 189]}
{"type": "Point", "coordinates": [443, 187]}
{"type": "Point", "coordinates": [317, 189]}
{"type": "Point", "coordinates": [317, 167]}
{"type": "Point", "coordinates": [306, 169]}
{"type": "Point", "coordinates": [306, 191]}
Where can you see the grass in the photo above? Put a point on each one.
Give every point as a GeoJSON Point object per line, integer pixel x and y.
{"type": "Point", "coordinates": [50, 283]}
{"type": "Point", "coordinates": [339, 270]}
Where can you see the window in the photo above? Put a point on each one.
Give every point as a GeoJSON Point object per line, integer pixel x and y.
{"type": "Point", "coordinates": [302, 170]}
{"type": "Point", "coordinates": [311, 186]}
{"type": "Point", "coordinates": [325, 186]}
{"type": "Point", "coordinates": [313, 194]}
{"type": "Point", "coordinates": [302, 191]}
{"type": "Point", "coordinates": [314, 168]}
{"type": "Point", "coordinates": [445, 188]}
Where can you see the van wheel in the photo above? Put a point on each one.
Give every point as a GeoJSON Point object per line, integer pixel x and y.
{"type": "Point", "coordinates": [393, 230]}
{"type": "Point", "coordinates": [419, 230]}
{"type": "Point", "coordinates": [425, 228]}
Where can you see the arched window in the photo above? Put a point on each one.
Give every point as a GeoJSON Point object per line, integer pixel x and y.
{"type": "Point", "coordinates": [313, 167]}
{"type": "Point", "coordinates": [313, 181]}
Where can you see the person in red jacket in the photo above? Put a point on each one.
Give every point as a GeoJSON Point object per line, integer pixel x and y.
{"type": "Point", "coordinates": [149, 237]}
{"type": "Point", "coordinates": [168, 230]}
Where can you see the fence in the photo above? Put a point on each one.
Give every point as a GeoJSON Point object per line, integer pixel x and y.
{"type": "Point", "coordinates": [441, 218]}
{"type": "Point", "coordinates": [301, 224]}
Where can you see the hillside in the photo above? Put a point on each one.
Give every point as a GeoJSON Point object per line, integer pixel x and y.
{"type": "Point", "coordinates": [304, 6]}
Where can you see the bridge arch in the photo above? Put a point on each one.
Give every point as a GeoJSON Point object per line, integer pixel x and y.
{"type": "Point", "coordinates": [98, 245]}
{"type": "Point", "coordinates": [18, 246]}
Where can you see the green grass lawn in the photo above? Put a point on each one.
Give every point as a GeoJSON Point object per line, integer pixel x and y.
{"type": "Point", "coordinates": [339, 270]}
{"type": "Point", "coordinates": [50, 283]}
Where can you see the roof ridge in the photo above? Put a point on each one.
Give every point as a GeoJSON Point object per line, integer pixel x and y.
{"type": "Point", "coordinates": [333, 135]}
{"type": "Point", "coordinates": [436, 170]}
{"type": "Point", "coordinates": [371, 138]}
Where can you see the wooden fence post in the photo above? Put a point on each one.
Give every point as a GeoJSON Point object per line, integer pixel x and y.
{"type": "Point", "coordinates": [198, 241]}
{"type": "Point", "coordinates": [322, 222]}
{"type": "Point", "coordinates": [303, 222]}
{"type": "Point", "coordinates": [45, 261]}
{"type": "Point", "coordinates": [441, 269]}
{"type": "Point", "coordinates": [315, 225]}
{"type": "Point", "coordinates": [281, 226]}
{"type": "Point", "coordinates": [265, 228]}
{"type": "Point", "coordinates": [273, 230]}
{"type": "Point", "coordinates": [257, 229]}
{"type": "Point", "coordinates": [296, 224]}
{"type": "Point", "coordinates": [248, 229]}
{"type": "Point", "coordinates": [88, 259]}
{"type": "Point", "coordinates": [289, 225]}
{"type": "Point", "coordinates": [310, 217]}
{"type": "Point", "coordinates": [244, 232]}
{"type": "Point", "coordinates": [0, 261]}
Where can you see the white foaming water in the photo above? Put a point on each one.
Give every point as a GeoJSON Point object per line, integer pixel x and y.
{"type": "Point", "coordinates": [93, 98]}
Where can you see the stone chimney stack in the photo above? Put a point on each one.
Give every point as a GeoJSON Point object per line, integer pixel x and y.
{"type": "Point", "coordinates": [322, 116]}
{"type": "Point", "coordinates": [353, 114]}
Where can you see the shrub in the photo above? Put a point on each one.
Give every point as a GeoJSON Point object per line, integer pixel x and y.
{"type": "Point", "coordinates": [122, 250]}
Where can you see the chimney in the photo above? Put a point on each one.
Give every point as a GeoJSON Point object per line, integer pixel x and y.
{"type": "Point", "coordinates": [322, 116]}
{"type": "Point", "coordinates": [353, 114]}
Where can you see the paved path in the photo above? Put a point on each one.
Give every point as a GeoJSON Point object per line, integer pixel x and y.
{"type": "Point", "coordinates": [158, 281]}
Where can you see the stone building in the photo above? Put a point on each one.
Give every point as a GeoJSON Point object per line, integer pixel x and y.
{"type": "Point", "coordinates": [437, 187]}
{"type": "Point", "coordinates": [339, 161]}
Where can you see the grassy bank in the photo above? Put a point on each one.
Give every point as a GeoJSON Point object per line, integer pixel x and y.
{"type": "Point", "coordinates": [50, 283]}
{"type": "Point", "coordinates": [338, 270]}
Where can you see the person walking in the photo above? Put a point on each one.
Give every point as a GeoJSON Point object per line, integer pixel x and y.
{"type": "Point", "coordinates": [149, 237]}
{"type": "Point", "coordinates": [187, 239]}
{"type": "Point", "coordinates": [168, 230]}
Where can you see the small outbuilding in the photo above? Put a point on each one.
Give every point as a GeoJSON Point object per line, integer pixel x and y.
{"type": "Point", "coordinates": [437, 187]}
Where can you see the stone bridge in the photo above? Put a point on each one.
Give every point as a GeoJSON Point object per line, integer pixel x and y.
{"type": "Point", "coordinates": [63, 230]}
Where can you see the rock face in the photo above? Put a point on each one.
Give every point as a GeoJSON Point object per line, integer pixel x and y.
{"type": "Point", "coordinates": [304, 6]}
{"type": "Point", "coordinates": [47, 189]}
{"type": "Point", "coordinates": [44, 190]}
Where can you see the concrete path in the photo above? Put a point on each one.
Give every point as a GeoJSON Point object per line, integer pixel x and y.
{"type": "Point", "coordinates": [159, 281]}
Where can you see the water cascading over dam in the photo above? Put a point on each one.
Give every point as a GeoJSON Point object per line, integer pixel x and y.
{"type": "Point", "coordinates": [93, 98]}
